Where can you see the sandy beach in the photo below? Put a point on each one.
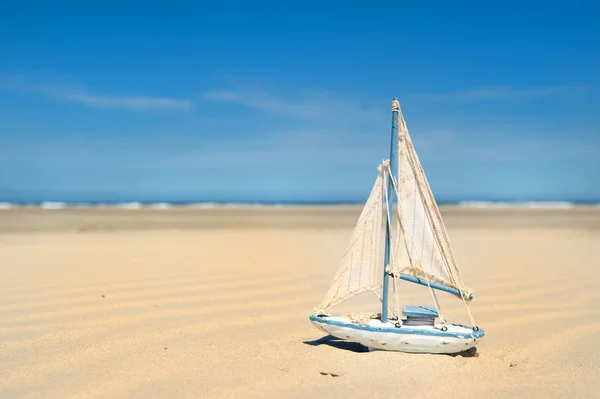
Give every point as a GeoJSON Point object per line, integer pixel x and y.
{"type": "Point", "coordinates": [215, 303]}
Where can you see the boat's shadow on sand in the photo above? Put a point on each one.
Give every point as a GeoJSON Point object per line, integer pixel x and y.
{"type": "Point", "coordinates": [334, 342]}
{"type": "Point", "coordinates": [338, 343]}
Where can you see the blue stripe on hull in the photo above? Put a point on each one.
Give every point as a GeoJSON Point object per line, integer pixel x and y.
{"type": "Point", "coordinates": [403, 330]}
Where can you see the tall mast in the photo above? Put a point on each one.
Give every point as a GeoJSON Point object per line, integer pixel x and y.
{"type": "Point", "coordinates": [390, 204]}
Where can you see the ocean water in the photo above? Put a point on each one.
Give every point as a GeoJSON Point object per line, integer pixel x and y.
{"type": "Point", "coordinates": [164, 205]}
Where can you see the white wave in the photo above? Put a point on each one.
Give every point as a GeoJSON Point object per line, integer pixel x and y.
{"type": "Point", "coordinates": [203, 205]}
{"type": "Point", "coordinates": [53, 205]}
{"type": "Point", "coordinates": [81, 205]}
{"type": "Point", "coordinates": [160, 205]}
{"type": "Point", "coordinates": [7, 205]}
{"type": "Point", "coordinates": [550, 205]}
{"type": "Point", "coordinates": [238, 205]}
{"type": "Point", "coordinates": [128, 205]}
{"type": "Point", "coordinates": [517, 205]}
{"type": "Point", "coordinates": [229, 205]}
{"type": "Point", "coordinates": [255, 205]}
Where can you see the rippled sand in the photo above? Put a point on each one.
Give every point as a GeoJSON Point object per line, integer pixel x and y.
{"type": "Point", "coordinates": [167, 303]}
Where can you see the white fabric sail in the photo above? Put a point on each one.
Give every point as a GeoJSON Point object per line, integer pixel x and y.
{"type": "Point", "coordinates": [422, 247]}
{"type": "Point", "coordinates": [361, 269]}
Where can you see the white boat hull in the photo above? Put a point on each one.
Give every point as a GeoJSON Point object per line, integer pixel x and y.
{"type": "Point", "coordinates": [413, 339]}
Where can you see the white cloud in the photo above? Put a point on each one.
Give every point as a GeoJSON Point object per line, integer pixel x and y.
{"type": "Point", "coordinates": [360, 134]}
{"type": "Point", "coordinates": [503, 93]}
{"type": "Point", "coordinates": [102, 101]}
{"type": "Point", "coordinates": [313, 106]}
{"type": "Point", "coordinates": [139, 103]}
{"type": "Point", "coordinates": [313, 128]}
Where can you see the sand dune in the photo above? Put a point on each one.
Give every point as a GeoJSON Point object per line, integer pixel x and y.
{"type": "Point", "coordinates": [184, 308]}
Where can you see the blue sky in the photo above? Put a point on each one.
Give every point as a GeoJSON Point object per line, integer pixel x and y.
{"type": "Point", "coordinates": [272, 100]}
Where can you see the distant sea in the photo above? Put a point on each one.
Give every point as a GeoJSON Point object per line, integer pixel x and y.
{"type": "Point", "coordinates": [50, 205]}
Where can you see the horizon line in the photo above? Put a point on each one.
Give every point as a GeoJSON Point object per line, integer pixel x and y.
{"type": "Point", "coordinates": [146, 202]}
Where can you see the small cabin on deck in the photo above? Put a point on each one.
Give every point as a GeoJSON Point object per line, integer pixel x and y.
{"type": "Point", "coordinates": [419, 315]}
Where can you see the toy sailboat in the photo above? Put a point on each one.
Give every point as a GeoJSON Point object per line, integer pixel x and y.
{"type": "Point", "coordinates": [420, 253]}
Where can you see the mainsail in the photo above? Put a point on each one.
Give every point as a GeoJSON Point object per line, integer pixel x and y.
{"type": "Point", "coordinates": [422, 247]}
{"type": "Point", "coordinates": [361, 269]}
